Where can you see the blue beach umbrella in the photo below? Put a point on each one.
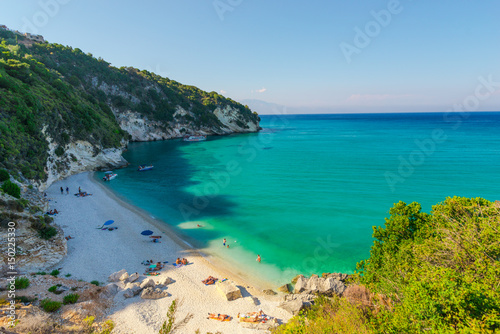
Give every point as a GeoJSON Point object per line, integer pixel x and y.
{"type": "Point", "coordinates": [109, 222]}
{"type": "Point", "coordinates": [147, 232]}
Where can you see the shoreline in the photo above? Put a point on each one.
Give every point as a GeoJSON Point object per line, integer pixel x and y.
{"type": "Point", "coordinates": [94, 254]}
{"type": "Point", "coordinates": [211, 260]}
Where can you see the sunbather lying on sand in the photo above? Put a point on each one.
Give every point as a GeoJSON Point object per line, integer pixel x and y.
{"type": "Point", "coordinates": [210, 280]}
{"type": "Point", "coordinates": [220, 317]}
{"type": "Point", "coordinates": [254, 317]}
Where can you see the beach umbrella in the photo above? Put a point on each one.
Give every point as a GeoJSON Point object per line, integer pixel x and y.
{"type": "Point", "coordinates": [147, 232]}
{"type": "Point", "coordinates": [109, 222]}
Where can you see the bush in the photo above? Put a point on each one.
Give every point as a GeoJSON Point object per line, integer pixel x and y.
{"type": "Point", "coordinates": [48, 232]}
{"type": "Point", "coordinates": [4, 175]}
{"type": "Point", "coordinates": [55, 272]}
{"type": "Point", "coordinates": [53, 289]}
{"type": "Point", "coordinates": [59, 151]}
{"type": "Point", "coordinates": [72, 298]}
{"type": "Point", "coordinates": [96, 283]}
{"type": "Point", "coordinates": [41, 273]}
{"type": "Point", "coordinates": [44, 231]}
{"type": "Point", "coordinates": [11, 189]}
{"type": "Point", "coordinates": [22, 283]}
{"type": "Point", "coordinates": [49, 305]}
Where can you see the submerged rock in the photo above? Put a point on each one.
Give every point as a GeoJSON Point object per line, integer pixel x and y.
{"type": "Point", "coordinates": [269, 292]}
{"type": "Point", "coordinates": [285, 288]}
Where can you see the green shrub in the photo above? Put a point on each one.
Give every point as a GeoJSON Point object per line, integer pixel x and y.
{"type": "Point", "coordinates": [11, 189]}
{"type": "Point", "coordinates": [55, 272]}
{"type": "Point", "coordinates": [48, 232]}
{"type": "Point", "coordinates": [59, 151]}
{"type": "Point", "coordinates": [22, 283]}
{"type": "Point", "coordinates": [53, 288]}
{"type": "Point", "coordinates": [41, 273]}
{"type": "Point", "coordinates": [49, 305]}
{"type": "Point", "coordinates": [67, 275]}
{"type": "Point", "coordinates": [4, 175]}
{"type": "Point", "coordinates": [44, 231]}
{"type": "Point", "coordinates": [72, 298]}
{"type": "Point", "coordinates": [96, 283]}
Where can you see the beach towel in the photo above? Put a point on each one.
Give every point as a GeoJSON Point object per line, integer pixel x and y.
{"type": "Point", "coordinates": [177, 265]}
{"type": "Point", "coordinates": [152, 274]}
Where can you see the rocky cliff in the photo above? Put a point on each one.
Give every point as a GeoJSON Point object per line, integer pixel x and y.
{"type": "Point", "coordinates": [64, 111]}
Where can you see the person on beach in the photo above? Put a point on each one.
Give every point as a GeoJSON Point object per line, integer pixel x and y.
{"type": "Point", "coordinates": [62, 190]}
{"type": "Point", "coordinates": [224, 242]}
{"type": "Point", "coordinates": [79, 190]}
{"type": "Point", "coordinates": [184, 261]}
{"type": "Point", "coordinates": [178, 261]}
{"type": "Point", "coordinates": [56, 212]}
{"type": "Point", "coordinates": [258, 258]}
{"type": "Point", "coordinates": [67, 191]}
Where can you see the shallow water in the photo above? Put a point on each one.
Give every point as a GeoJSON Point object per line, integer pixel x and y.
{"type": "Point", "coordinates": [305, 192]}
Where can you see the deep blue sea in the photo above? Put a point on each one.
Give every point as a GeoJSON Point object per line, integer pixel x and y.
{"type": "Point", "coordinates": [305, 192]}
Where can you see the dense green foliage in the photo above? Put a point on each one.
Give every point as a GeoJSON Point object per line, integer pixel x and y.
{"type": "Point", "coordinates": [327, 315]}
{"type": "Point", "coordinates": [4, 175]}
{"type": "Point", "coordinates": [21, 283]}
{"type": "Point", "coordinates": [50, 90]}
{"type": "Point", "coordinates": [72, 298]}
{"type": "Point", "coordinates": [37, 102]}
{"type": "Point", "coordinates": [12, 189]}
{"type": "Point", "coordinates": [49, 305]}
{"type": "Point", "coordinates": [437, 273]}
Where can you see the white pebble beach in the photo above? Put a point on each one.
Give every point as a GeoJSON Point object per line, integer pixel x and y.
{"type": "Point", "coordinates": [94, 254]}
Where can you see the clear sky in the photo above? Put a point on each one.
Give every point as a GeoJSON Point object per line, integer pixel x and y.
{"type": "Point", "coordinates": [340, 56]}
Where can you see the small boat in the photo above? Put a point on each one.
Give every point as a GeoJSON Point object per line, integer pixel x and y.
{"type": "Point", "coordinates": [145, 167]}
{"type": "Point", "coordinates": [194, 138]}
{"type": "Point", "coordinates": [109, 176]}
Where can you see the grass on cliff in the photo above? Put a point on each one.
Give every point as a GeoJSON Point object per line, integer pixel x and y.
{"type": "Point", "coordinates": [432, 273]}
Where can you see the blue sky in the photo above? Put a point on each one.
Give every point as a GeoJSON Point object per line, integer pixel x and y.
{"type": "Point", "coordinates": [312, 55]}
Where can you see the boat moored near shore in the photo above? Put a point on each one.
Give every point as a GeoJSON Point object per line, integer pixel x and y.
{"type": "Point", "coordinates": [194, 138]}
{"type": "Point", "coordinates": [143, 168]}
{"type": "Point", "coordinates": [109, 176]}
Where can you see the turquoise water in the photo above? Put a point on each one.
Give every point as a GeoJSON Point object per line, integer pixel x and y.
{"type": "Point", "coordinates": [305, 192]}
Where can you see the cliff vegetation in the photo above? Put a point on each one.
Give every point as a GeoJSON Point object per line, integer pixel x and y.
{"type": "Point", "coordinates": [427, 273]}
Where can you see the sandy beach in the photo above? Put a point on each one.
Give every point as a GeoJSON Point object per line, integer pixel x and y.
{"type": "Point", "coordinates": [94, 254]}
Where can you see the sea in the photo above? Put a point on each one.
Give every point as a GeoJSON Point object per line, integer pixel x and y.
{"type": "Point", "coordinates": [305, 192]}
